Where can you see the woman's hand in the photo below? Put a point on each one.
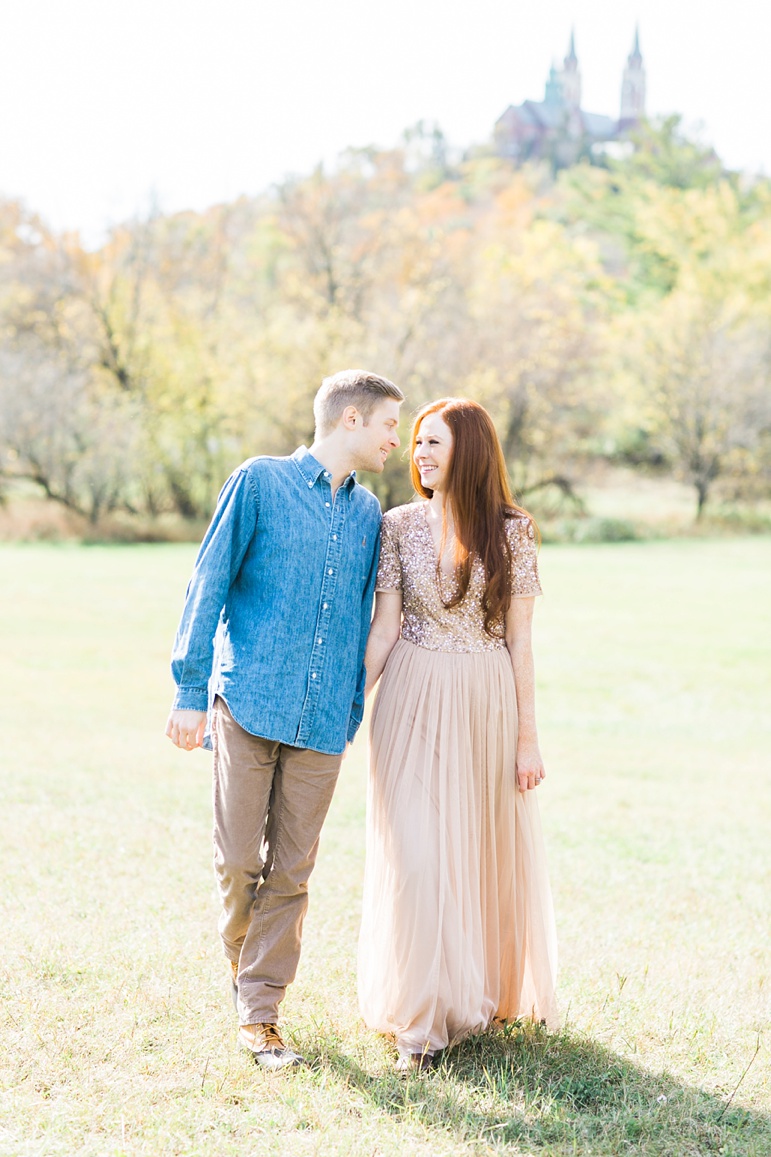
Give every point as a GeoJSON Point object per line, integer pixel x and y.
{"type": "Point", "coordinates": [530, 769]}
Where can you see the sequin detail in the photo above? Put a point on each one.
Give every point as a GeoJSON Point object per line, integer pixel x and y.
{"type": "Point", "coordinates": [408, 563]}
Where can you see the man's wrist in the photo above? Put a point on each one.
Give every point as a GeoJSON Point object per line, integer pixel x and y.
{"type": "Point", "coordinates": [191, 699]}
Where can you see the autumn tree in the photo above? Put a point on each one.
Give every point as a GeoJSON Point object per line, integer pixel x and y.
{"type": "Point", "coordinates": [621, 303]}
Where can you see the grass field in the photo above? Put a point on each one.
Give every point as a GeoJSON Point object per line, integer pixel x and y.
{"type": "Point", "coordinates": [117, 1030]}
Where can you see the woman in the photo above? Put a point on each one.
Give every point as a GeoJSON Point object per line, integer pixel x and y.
{"type": "Point", "coordinates": [458, 927]}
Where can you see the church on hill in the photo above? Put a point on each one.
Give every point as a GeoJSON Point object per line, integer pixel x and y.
{"type": "Point", "coordinates": [557, 128]}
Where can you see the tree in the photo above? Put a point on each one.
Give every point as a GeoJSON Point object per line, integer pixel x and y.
{"type": "Point", "coordinates": [706, 376]}
{"type": "Point", "coordinates": [57, 433]}
{"type": "Point", "coordinates": [536, 308]}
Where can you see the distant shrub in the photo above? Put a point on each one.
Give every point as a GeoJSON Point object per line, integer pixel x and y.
{"type": "Point", "coordinates": [591, 530]}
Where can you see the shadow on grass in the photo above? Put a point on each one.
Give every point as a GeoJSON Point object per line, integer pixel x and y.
{"type": "Point", "coordinates": [561, 1093]}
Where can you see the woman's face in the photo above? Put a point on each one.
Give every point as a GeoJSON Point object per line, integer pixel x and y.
{"type": "Point", "coordinates": [433, 452]}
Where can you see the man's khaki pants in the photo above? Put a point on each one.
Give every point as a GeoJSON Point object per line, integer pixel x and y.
{"type": "Point", "coordinates": [270, 801]}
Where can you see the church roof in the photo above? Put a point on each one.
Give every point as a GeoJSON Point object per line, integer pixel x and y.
{"type": "Point", "coordinates": [544, 115]}
{"type": "Point", "coordinates": [596, 124]}
{"type": "Point", "coordinates": [540, 112]}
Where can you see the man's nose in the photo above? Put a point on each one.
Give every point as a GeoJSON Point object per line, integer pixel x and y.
{"type": "Point", "coordinates": [395, 440]}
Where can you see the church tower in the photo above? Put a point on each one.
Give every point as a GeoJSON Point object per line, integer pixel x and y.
{"type": "Point", "coordinates": [633, 87]}
{"type": "Point", "coordinates": [553, 94]}
{"type": "Point", "coordinates": [571, 77]}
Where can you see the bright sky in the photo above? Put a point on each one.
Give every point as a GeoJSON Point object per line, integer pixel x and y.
{"type": "Point", "coordinates": [107, 105]}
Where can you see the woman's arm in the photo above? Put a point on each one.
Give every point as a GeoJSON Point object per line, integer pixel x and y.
{"type": "Point", "coordinates": [383, 634]}
{"type": "Point", "coordinates": [519, 619]}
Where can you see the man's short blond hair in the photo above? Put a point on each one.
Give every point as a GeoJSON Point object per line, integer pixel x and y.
{"type": "Point", "coordinates": [357, 388]}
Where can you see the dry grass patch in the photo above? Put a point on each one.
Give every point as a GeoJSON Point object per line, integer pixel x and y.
{"type": "Point", "coordinates": [117, 1032]}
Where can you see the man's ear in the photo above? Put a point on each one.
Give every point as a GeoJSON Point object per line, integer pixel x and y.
{"type": "Point", "coordinates": [351, 418]}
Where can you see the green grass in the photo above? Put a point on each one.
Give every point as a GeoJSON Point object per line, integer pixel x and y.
{"type": "Point", "coordinates": [117, 1033]}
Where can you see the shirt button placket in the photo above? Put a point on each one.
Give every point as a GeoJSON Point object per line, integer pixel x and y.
{"type": "Point", "coordinates": [328, 586]}
{"type": "Point", "coordinates": [330, 579]}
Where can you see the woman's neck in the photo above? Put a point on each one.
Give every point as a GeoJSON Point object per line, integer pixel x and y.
{"type": "Point", "coordinates": [438, 508]}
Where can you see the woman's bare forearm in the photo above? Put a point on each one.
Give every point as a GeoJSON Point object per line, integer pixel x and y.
{"type": "Point", "coordinates": [521, 653]}
{"type": "Point", "coordinates": [379, 647]}
{"type": "Point", "coordinates": [530, 769]}
{"type": "Point", "coordinates": [383, 635]}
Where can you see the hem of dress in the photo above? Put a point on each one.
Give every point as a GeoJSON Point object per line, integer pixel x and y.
{"type": "Point", "coordinates": [494, 1024]}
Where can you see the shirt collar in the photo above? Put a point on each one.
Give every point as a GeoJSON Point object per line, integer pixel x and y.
{"type": "Point", "coordinates": [311, 469]}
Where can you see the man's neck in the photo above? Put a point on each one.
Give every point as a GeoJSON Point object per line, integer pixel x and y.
{"type": "Point", "coordinates": [333, 458]}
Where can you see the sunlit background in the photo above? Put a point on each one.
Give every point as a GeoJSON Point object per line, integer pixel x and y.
{"type": "Point", "coordinates": [561, 213]}
{"type": "Point", "coordinates": [107, 107]}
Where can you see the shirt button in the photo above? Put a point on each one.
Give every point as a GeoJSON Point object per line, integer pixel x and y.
{"type": "Point", "coordinates": [319, 641]}
{"type": "Point", "coordinates": [325, 606]}
{"type": "Point", "coordinates": [330, 571]}
{"type": "Point", "coordinates": [327, 474]}
{"type": "Point", "coordinates": [334, 538]}
{"type": "Point", "coordinates": [326, 504]}
{"type": "Point", "coordinates": [310, 483]}
{"type": "Point", "coordinates": [313, 674]}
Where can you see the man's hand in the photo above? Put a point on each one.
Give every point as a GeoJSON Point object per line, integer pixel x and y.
{"type": "Point", "coordinates": [186, 728]}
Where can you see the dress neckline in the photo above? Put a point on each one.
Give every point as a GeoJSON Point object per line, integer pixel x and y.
{"type": "Point", "coordinates": [449, 574]}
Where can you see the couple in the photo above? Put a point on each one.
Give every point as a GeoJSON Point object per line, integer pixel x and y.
{"type": "Point", "coordinates": [278, 646]}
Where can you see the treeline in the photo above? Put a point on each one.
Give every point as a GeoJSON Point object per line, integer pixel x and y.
{"type": "Point", "coordinates": [618, 310]}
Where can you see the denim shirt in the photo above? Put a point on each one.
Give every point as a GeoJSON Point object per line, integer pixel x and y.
{"type": "Point", "coordinates": [278, 609]}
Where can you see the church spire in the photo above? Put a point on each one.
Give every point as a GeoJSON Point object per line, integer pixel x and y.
{"type": "Point", "coordinates": [633, 86]}
{"type": "Point", "coordinates": [571, 77]}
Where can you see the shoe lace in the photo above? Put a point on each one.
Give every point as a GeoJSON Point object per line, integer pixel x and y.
{"type": "Point", "coordinates": [271, 1037]}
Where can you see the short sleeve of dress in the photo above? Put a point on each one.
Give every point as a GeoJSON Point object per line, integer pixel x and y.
{"type": "Point", "coordinates": [524, 551]}
{"type": "Point", "coordinates": [389, 571]}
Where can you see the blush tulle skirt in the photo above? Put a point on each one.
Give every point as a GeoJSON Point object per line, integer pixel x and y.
{"type": "Point", "coordinates": [458, 925]}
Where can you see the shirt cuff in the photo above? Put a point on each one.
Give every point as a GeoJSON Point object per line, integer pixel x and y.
{"type": "Point", "coordinates": [191, 699]}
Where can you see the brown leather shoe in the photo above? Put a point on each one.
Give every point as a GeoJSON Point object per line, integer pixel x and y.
{"type": "Point", "coordinates": [266, 1045]}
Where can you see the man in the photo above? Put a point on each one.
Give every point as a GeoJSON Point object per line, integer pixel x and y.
{"type": "Point", "coordinates": [273, 635]}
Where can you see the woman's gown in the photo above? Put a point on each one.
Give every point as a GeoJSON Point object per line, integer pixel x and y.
{"type": "Point", "coordinates": [457, 927]}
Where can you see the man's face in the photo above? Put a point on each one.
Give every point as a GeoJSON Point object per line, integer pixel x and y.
{"type": "Point", "coordinates": [378, 437]}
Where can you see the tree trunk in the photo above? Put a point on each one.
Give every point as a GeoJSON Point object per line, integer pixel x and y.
{"type": "Point", "coordinates": [702, 490]}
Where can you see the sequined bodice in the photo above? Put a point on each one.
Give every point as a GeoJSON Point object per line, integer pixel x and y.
{"type": "Point", "coordinates": [408, 563]}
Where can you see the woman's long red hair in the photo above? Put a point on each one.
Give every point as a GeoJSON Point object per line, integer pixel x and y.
{"type": "Point", "coordinates": [480, 500]}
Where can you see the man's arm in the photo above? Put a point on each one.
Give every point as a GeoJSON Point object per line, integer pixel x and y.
{"type": "Point", "coordinates": [357, 707]}
{"type": "Point", "coordinates": [219, 558]}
